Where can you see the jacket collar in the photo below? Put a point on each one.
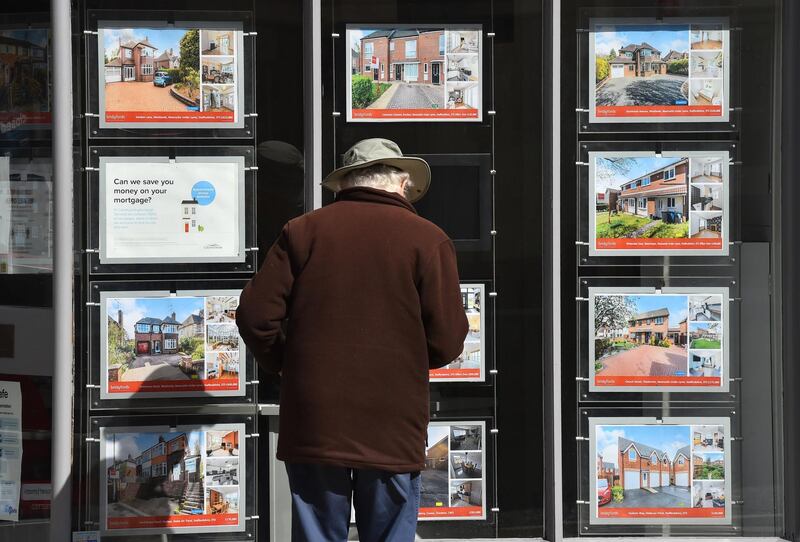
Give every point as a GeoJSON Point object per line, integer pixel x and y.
{"type": "Point", "coordinates": [374, 195]}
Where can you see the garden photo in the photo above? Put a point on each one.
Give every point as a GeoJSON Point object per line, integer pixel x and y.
{"type": "Point", "coordinates": [709, 466]}
{"type": "Point", "coordinates": [155, 339]}
{"type": "Point", "coordinates": [640, 335]}
{"type": "Point", "coordinates": [641, 65]}
{"type": "Point", "coordinates": [705, 335]}
{"type": "Point", "coordinates": [643, 197]}
{"type": "Point", "coordinates": [643, 466]}
{"type": "Point", "coordinates": [151, 69]}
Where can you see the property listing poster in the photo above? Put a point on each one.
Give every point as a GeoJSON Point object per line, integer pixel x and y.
{"type": "Point", "coordinates": [25, 77]}
{"type": "Point", "coordinates": [187, 210]}
{"type": "Point", "coordinates": [181, 76]}
{"type": "Point", "coordinates": [454, 479]}
{"type": "Point", "coordinates": [26, 218]}
{"type": "Point", "coordinates": [414, 73]}
{"type": "Point", "coordinates": [646, 204]}
{"type": "Point", "coordinates": [673, 470]}
{"type": "Point", "coordinates": [10, 449]}
{"type": "Point", "coordinates": [674, 70]}
{"type": "Point", "coordinates": [154, 344]}
{"type": "Point", "coordinates": [673, 340]}
{"type": "Point", "coordinates": [186, 479]}
{"type": "Point", "coordinates": [469, 366]}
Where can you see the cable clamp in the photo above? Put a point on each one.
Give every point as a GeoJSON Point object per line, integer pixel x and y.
{"type": "Point", "coordinates": [251, 168]}
{"type": "Point", "coordinates": [493, 371]}
{"type": "Point", "coordinates": [91, 115]}
{"type": "Point", "coordinates": [90, 168]}
{"type": "Point", "coordinates": [250, 382]}
{"type": "Point", "coordinates": [252, 435]}
{"type": "Point", "coordinates": [92, 439]}
{"type": "Point", "coordinates": [335, 35]}
{"type": "Point", "coordinates": [495, 509]}
{"type": "Point", "coordinates": [581, 243]}
{"type": "Point", "coordinates": [492, 172]}
{"type": "Point", "coordinates": [492, 232]}
{"type": "Point", "coordinates": [250, 115]}
{"type": "Point", "coordinates": [92, 304]}
{"type": "Point", "coordinates": [735, 379]}
{"type": "Point", "coordinates": [92, 386]}
{"type": "Point", "coordinates": [491, 112]}
{"type": "Point", "coordinates": [490, 34]}
{"type": "Point", "coordinates": [733, 439]}
{"type": "Point", "coordinates": [582, 502]}
{"type": "Point", "coordinates": [582, 379]}
{"type": "Point", "coordinates": [90, 32]}
{"type": "Point", "coordinates": [581, 163]}
{"type": "Point", "coordinates": [251, 249]}
{"type": "Point", "coordinates": [581, 438]}
{"type": "Point", "coordinates": [248, 518]}
{"type": "Point", "coordinates": [90, 251]}
{"type": "Point", "coordinates": [581, 110]}
{"type": "Point", "coordinates": [581, 299]}
{"type": "Point", "coordinates": [250, 34]}
{"type": "Point", "coordinates": [335, 114]}
{"type": "Point", "coordinates": [494, 431]}
{"type": "Point", "coordinates": [492, 294]}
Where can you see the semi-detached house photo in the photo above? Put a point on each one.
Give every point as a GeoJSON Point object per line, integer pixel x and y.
{"type": "Point", "coordinates": [646, 466]}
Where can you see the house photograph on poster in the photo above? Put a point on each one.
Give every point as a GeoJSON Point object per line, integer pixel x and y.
{"type": "Point", "coordinates": [644, 201]}
{"type": "Point", "coordinates": [468, 366]}
{"type": "Point", "coordinates": [132, 82]}
{"type": "Point", "coordinates": [24, 81]}
{"type": "Point", "coordinates": [434, 478]}
{"type": "Point", "coordinates": [414, 73]}
{"type": "Point", "coordinates": [155, 339]}
{"type": "Point", "coordinates": [649, 72]}
{"type": "Point", "coordinates": [154, 475]}
{"type": "Point", "coordinates": [640, 335]}
{"type": "Point", "coordinates": [645, 466]}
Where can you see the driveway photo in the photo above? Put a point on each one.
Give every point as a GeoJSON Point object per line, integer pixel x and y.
{"type": "Point", "coordinates": [654, 90]}
{"type": "Point", "coordinates": [644, 335]}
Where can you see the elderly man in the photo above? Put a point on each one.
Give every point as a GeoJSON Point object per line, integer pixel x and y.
{"type": "Point", "coordinates": [353, 305]}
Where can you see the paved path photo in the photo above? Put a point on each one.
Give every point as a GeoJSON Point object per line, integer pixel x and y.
{"type": "Point", "coordinates": [434, 488]}
{"type": "Point", "coordinates": [645, 360]}
{"type": "Point", "coordinates": [140, 96]}
{"type": "Point", "coordinates": [665, 497]}
{"type": "Point", "coordinates": [411, 96]}
{"type": "Point", "coordinates": [163, 367]}
{"type": "Point", "coordinates": [654, 90]}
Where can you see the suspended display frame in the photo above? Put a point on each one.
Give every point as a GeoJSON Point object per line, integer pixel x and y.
{"type": "Point", "coordinates": [658, 203]}
{"type": "Point", "coordinates": [166, 475]}
{"type": "Point", "coordinates": [167, 344]}
{"type": "Point", "coordinates": [150, 75]}
{"type": "Point", "coordinates": [177, 210]}
{"type": "Point", "coordinates": [650, 339]}
{"type": "Point", "coordinates": [639, 70]}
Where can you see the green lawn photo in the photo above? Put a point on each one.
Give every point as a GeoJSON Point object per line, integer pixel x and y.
{"type": "Point", "coordinates": [613, 226]}
{"type": "Point", "coordinates": [706, 344]}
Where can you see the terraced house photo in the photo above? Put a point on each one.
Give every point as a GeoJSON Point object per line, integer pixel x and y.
{"type": "Point", "coordinates": [640, 335]}
{"type": "Point", "coordinates": [644, 466]}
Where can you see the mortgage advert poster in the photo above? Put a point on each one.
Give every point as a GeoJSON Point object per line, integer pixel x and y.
{"type": "Point", "coordinates": [667, 471]}
{"type": "Point", "coordinates": [187, 210]}
{"type": "Point", "coordinates": [671, 70]}
{"type": "Point", "coordinates": [179, 76]}
{"type": "Point", "coordinates": [454, 479]}
{"type": "Point", "coordinates": [469, 366]}
{"type": "Point", "coordinates": [156, 344]}
{"type": "Point", "coordinates": [648, 204]}
{"type": "Point", "coordinates": [186, 479]}
{"type": "Point", "coordinates": [414, 73]}
{"type": "Point", "coordinates": [672, 340]}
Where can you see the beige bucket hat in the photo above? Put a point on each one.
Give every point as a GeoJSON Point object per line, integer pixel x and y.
{"type": "Point", "coordinates": [369, 152]}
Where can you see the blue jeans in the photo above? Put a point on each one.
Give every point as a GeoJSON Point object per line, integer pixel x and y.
{"type": "Point", "coordinates": [386, 504]}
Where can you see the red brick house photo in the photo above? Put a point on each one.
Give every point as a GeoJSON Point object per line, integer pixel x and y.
{"type": "Point", "coordinates": [413, 56]}
{"type": "Point", "coordinates": [134, 62]}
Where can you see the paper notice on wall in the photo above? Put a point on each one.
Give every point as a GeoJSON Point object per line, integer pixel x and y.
{"type": "Point", "coordinates": [171, 211]}
{"type": "Point", "coordinates": [5, 213]}
{"type": "Point", "coordinates": [10, 449]}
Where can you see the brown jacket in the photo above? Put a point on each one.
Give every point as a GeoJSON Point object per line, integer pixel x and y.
{"type": "Point", "coordinates": [354, 303]}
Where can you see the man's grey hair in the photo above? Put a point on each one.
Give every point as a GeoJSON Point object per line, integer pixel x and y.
{"type": "Point", "coordinates": [378, 176]}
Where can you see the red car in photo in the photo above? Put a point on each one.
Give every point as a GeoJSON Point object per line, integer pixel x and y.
{"type": "Point", "coordinates": [603, 492]}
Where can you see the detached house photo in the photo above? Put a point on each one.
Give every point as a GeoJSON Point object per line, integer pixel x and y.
{"type": "Point", "coordinates": [150, 69]}
{"type": "Point", "coordinates": [142, 346]}
{"type": "Point", "coordinates": [650, 196]}
{"type": "Point", "coordinates": [640, 335]}
{"type": "Point", "coordinates": [154, 474]}
{"type": "Point", "coordinates": [650, 464]}
{"type": "Point", "coordinates": [645, 70]}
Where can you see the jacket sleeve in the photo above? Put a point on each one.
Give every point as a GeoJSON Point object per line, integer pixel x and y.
{"type": "Point", "coordinates": [263, 306]}
{"type": "Point", "coordinates": [442, 309]}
